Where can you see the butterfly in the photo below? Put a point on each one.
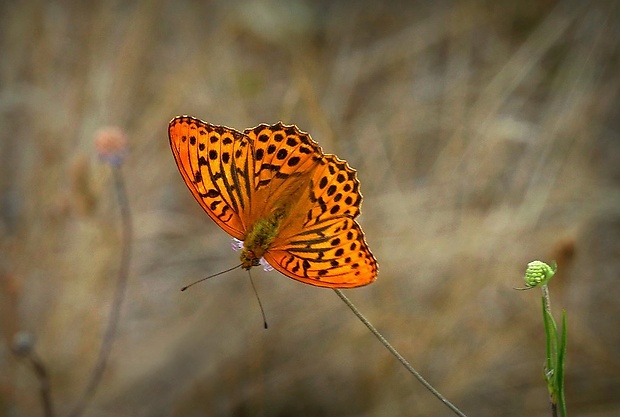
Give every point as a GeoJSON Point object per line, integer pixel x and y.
{"type": "Point", "coordinates": [273, 188]}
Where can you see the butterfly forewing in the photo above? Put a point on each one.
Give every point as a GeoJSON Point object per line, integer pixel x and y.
{"type": "Point", "coordinates": [284, 158]}
{"type": "Point", "coordinates": [334, 190]}
{"type": "Point", "coordinates": [214, 162]}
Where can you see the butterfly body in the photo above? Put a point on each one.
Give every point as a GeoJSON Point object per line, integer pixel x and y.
{"type": "Point", "coordinates": [273, 188]}
{"type": "Point", "coordinates": [259, 238]}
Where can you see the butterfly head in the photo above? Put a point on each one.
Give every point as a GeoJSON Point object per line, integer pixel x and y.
{"type": "Point", "coordinates": [249, 259]}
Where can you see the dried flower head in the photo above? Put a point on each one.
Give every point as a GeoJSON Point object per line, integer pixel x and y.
{"type": "Point", "coordinates": [111, 145]}
{"type": "Point", "coordinates": [23, 343]}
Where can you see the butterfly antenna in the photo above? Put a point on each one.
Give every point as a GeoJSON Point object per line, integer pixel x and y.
{"type": "Point", "coordinates": [262, 311]}
{"type": "Point", "coordinates": [210, 276]}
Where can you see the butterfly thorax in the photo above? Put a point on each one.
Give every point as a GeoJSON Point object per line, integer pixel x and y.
{"type": "Point", "coordinates": [260, 236]}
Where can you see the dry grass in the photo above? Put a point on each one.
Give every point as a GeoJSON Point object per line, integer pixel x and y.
{"type": "Point", "coordinates": [485, 135]}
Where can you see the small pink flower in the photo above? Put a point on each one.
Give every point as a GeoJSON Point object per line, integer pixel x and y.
{"type": "Point", "coordinates": [111, 145]}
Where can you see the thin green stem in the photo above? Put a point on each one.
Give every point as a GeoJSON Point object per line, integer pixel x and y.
{"type": "Point", "coordinates": [398, 356]}
{"type": "Point", "coordinates": [546, 298]}
{"type": "Point", "coordinates": [560, 369]}
{"type": "Point", "coordinates": [556, 357]}
{"type": "Point", "coordinates": [550, 330]}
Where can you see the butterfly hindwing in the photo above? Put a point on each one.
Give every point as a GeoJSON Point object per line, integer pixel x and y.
{"type": "Point", "coordinates": [333, 254]}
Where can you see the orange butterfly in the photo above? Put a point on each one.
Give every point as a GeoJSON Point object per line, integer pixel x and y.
{"type": "Point", "coordinates": [273, 188]}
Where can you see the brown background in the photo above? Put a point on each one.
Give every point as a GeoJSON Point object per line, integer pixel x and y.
{"type": "Point", "coordinates": [485, 135]}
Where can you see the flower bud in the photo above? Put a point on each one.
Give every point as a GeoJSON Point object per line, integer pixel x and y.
{"type": "Point", "coordinates": [538, 273]}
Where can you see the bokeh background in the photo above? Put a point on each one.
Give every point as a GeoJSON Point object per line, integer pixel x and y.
{"type": "Point", "coordinates": [485, 135]}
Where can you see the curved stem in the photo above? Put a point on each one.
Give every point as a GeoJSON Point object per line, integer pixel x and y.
{"type": "Point", "coordinates": [398, 356]}
{"type": "Point", "coordinates": [44, 384]}
{"type": "Point", "coordinates": [119, 296]}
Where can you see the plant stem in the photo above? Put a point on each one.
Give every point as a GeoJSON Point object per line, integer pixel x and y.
{"type": "Point", "coordinates": [119, 296]}
{"type": "Point", "coordinates": [398, 356]}
{"type": "Point", "coordinates": [44, 384]}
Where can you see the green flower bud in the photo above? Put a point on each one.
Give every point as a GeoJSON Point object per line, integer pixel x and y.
{"type": "Point", "coordinates": [538, 273]}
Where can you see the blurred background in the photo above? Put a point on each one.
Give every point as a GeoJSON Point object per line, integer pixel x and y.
{"type": "Point", "coordinates": [485, 135]}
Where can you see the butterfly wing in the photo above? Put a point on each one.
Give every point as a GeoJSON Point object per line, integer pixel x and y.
{"type": "Point", "coordinates": [333, 254]}
{"type": "Point", "coordinates": [239, 177]}
{"type": "Point", "coordinates": [284, 159]}
{"type": "Point", "coordinates": [214, 162]}
{"type": "Point", "coordinates": [319, 243]}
